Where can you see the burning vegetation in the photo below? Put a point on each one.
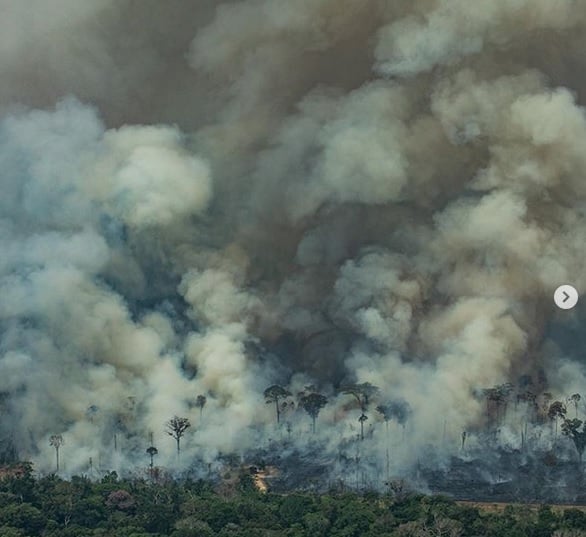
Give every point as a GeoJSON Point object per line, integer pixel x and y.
{"type": "Point", "coordinates": [324, 234]}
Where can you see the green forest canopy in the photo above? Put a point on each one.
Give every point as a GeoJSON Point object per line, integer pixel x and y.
{"type": "Point", "coordinates": [52, 507]}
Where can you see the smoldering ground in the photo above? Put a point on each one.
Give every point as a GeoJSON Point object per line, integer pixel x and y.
{"type": "Point", "coordinates": [211, 197]}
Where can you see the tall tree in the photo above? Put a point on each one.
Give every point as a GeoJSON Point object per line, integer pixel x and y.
{"type": "Point", "coordinates": [176, 428]}
{"type": "Point", "coordinates": [499, 396]}
{"type": "Point", "coordinates": [152, 451]}
{"type": "Point", "coordinates": [530, 399]}
{"type": "Point", "coordinates": [571, 429]}
{"type": "Point", "coordinates": [200, 402]}
{"type": "Point", "coordinates": [386, 412]}
{"type": "Point", "coordinates": [363, 417]}
{"type": "Point", "coordinates": [489, 395]}
{"type": "Point", "coordinates": [56, 440]}
{"type": "Point", "coordinates": [504, 392]}
{"type": "Point", "coordinates": [556, 411]}
{"type": "Point", "coordinates": [398, 409]}
{"type": "Point", "coordinates": [274, 394]}
{"type": "Point", "coordinates": [118, 428]}
{"type": "Point", "coordinates": [312, 404]}
{"type": "Point", "coordinates": [363, 393]}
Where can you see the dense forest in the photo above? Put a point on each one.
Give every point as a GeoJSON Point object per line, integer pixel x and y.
{"type": "Point", "coordinates": [111, 507]}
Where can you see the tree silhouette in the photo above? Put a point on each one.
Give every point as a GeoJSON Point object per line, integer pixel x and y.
{"type": "Point", "coordinates": [489, 395]}
{"type": "Point", "coordinates": [312, 404]}
{"type": "Point", "coordinates": [56, 440]}
{"type": "Point", "coordinates": [274, 394]}
{"type": "Point", "coordinates": [504, 393]}
{"type": "Point", "coordinates": [363, 393]}
{"type": "Point", "coordinates": [571, 429]}
{"type": "Point", "coordinates": [200, 402]}
{"type": "Point", "coordinates": [398, 409]}
{"type": "Point", "coordinates": [176, 428]}
{"type": "Point", "coordinates": [499, 396]}
{"type": "Point", "coordinates": [152, 451]}
{"type": "Point", "coordinates": [530, 399]}
{"type": "Point", "coordinates": [401, 410]}
{"type": "Point", "coordinates": [556, 411]}
{"type": "Point", "coordinates": [386, 412]}
{"type": "Point", "coordinates": [286, 407]}
{"type": "Point", "coordinates": [118, 428]}
{"type": "Point", "coordinates": [363, 417]}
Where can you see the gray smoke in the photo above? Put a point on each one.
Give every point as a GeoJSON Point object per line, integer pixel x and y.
{"type": "Point", "coordinates": [205, 197]}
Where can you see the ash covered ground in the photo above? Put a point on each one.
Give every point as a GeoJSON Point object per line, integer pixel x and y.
{"type": "Point", "coordinates": [493, 474]}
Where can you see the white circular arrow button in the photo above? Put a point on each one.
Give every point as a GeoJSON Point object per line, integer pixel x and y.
{"type": "Point", "coordinates": [565, 297]}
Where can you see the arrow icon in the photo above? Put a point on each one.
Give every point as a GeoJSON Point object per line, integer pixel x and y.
{"type": "Point", "coordinates": [565, 297]}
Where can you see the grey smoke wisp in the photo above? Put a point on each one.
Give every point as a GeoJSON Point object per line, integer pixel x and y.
{"type": "Point", "coordinates": [206, 197]}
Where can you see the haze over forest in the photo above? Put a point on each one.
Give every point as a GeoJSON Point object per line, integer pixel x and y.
{"type": "Point", "coordinates": [205, 198]}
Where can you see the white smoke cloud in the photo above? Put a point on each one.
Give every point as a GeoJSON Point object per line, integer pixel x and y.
{"type": "Point", "coordinates": [453, 29]}
{"type": "Point", "coordinates": [308, 192]}
{"type": "Point", "coordinates": [146, 178]}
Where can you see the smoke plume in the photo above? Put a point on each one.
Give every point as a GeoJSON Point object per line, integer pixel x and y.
{"type": "Point", "coordinates": [210, 198]}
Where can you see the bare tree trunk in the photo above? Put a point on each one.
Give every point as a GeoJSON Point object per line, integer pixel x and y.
{"type": "Point", "coordinates": [388, 456]}
{"type": "Point", "coordinates": [57, 456]}
{"type": "Point", "coordinates": [278, 411]}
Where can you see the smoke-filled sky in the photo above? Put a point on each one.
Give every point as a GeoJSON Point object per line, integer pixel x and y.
{"type": "Point", "coordinates": [205, 197]}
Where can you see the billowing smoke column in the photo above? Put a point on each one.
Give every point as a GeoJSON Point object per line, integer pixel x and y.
{"type": "Point", "coordinates": [210, 198]}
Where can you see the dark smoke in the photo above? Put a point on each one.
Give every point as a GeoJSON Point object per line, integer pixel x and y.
{"type": "Point", "coordinates": [205, 197]}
